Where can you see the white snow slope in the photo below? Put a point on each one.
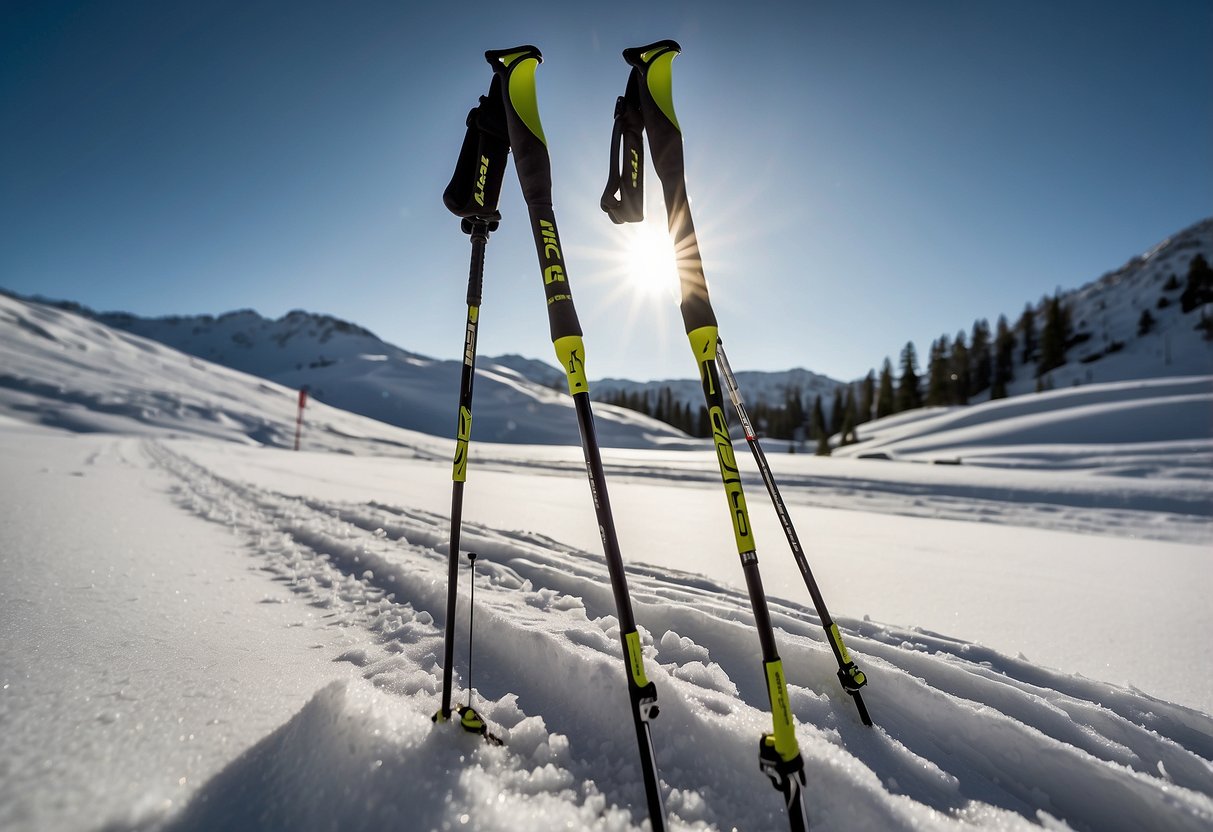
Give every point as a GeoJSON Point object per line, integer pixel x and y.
{"type": "Point", "coordinates": [204, 630]}
{"type": "Point", "coordinates": [349, 367]}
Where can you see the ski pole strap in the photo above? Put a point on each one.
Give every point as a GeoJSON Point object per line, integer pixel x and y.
{"type": "Point", "coordinates": [514, 69]}
{"type": "Point", "coordinates": [623, 197]}
{"type": "Point", "coordinates": [475, 186]}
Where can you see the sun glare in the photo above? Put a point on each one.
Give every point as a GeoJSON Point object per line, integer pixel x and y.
{"type": "Point", "coordinates": [650, 260]}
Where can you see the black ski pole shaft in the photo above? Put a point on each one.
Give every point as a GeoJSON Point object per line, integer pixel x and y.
{"type": "Point", "coordinates": [516, 70]}
{"type": "Point", "coordinates": [478, 228]}
{"type": "Point", "coordinates": [472, 195]}
{"type": "Point", "coordinates": [849, 674]}
{"type": "Point", "coordinates": [650, 93]}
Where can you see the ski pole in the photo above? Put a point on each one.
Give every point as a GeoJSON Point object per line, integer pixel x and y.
{"type": "Point", "coordinates": [471, 617]}
{"type": "Point", "coordinates": [514, 72]}
{"type": "Point", "coordinates": [849, 675]}
{"type": "Point", "coordinates": [471, 195]}
{"type": "Point", "coordinates": [623, 200]}
{"type": "Point", "coordinates": [649, 94]}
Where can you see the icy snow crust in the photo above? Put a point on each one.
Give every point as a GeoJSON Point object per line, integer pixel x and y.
{"type": "Point", "coordinates": [204, 630]}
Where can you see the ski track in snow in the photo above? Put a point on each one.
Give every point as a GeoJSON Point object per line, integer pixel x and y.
{"type": "Point", "coordinates": [964, 737]}
{"type": "Point", "coordinates": [1171, 514]}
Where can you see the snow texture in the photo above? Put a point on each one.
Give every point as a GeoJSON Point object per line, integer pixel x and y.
{"type": "Point", "coordinates": [205, 630]}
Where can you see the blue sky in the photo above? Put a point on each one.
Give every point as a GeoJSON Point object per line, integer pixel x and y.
{"type": "Point", "coordinates": [861, 174]}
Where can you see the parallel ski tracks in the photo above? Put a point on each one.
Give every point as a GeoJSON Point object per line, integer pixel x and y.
{"type": "Point", "coordinates": [547, 640]}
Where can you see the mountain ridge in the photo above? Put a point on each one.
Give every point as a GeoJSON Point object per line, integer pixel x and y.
{"type": "Point", "coordinates": [349, 366]}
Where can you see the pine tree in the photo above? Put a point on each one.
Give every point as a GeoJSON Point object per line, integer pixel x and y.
{"type": "Point", "coordinates": [795, 410]}
{"type": "Point", "coordinates": [867, 398]}
{"type": "Point", "coordinates": [849, 414]}
{"type": "Point", "coordinates": [836, 412]}
{"type": "Point", "coordinates": [823, 445]}
{"type": "Point", "coordinates": [1053, 336]}
{"type": "Point", "coordinates": [909, 396]}
{"type": "Point", "coordinates": [885, 402]}
{"type": "Point", "coordinates": [817, 421]}
{"type": "Point", "coordinates": [1199, 287]}
{"type": "Point", "coordinates": [980, 360]}
{"type": "Point", "coordinates": [939, 371]}
{"type": "Point", "coordinates": [1145, 324]}
{"type": "Point", "coordinates": [1004, 359]}
{"type": "Point", "coordinates": [1205, 325]}
{"type": "Point", "coordinates": [960, 370]}
{"type": "Point", "coordinates": [1027, 335]}
{"type": "Point", "coordinates": [634, 401]}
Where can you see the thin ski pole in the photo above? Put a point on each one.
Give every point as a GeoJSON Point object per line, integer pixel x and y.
{"type": "Point", "coordinates": [478, 228]}
{"type": "Point", "coordinates": [469, 720]}
{"type": "Point", "coordinates": [849, 674]}
{"type": "Point", "coordinates": [471, 618]}
{"type": "Point", "coordinates": [648, 106]}
{"type": "Point", "coordinates": [515, 70]}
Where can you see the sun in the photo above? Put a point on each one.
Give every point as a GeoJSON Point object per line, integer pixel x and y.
{"type": "Point", "coordinates": [649, 260]}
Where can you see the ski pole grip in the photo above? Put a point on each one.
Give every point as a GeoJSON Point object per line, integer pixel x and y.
{"type": "Point", "coordinates": [516, 70]}
{"type": "Point", "coordinates": [653, 63]}
{"type": "Point", "coordinates": [475, 185]}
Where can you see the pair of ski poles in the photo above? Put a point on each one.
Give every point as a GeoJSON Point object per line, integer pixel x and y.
{"type": "Point", "coordinates": [508, 119]}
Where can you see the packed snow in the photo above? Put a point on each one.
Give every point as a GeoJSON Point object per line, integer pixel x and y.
{"type": "Point", "coordinates": [206, 630]}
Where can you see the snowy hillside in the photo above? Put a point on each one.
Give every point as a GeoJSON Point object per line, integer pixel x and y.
{"type": "Point", "coordinates": [1106, 314]}
{"type": "Point", "coordinates": [205, 630]}
{"type": "Point", "coordinates": [352, 369]}
{"type": "Point", "coordinates": [1106, 343]}
{"type": "Point", "coordinates": [1144, 429]}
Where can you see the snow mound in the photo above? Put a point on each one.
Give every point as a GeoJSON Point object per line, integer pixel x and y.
{"type": "Point", "coordinates": [356, 758]}
{"type": "Point", "coordinates": [1148, 425]}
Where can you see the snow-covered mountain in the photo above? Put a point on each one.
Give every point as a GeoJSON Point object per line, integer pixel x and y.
{"type": "Point", "coordinates": [520, 399]}
{"type": "Point", "coordinates": [1105, 314]}
{"type": "Point", "coordinates": [1106, 344]}
{"type": "Point", "coordinates": [352, 369]}
{"type": "Point", "coordinates": [1110, 310]}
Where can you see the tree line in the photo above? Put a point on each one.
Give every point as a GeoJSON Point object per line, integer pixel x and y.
{"type": "Point", "coordinates": [959, 368]}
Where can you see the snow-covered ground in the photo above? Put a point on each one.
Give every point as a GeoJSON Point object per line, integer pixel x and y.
{"type": "Point", "coordinates": [206, 630]}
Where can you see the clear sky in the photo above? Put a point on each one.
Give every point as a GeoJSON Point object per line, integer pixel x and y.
{"type": "Point", "coordinates": [861, 173]}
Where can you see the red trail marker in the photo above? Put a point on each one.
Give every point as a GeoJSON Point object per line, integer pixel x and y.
{"type": "Point", "coordinates": [299, 418]}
